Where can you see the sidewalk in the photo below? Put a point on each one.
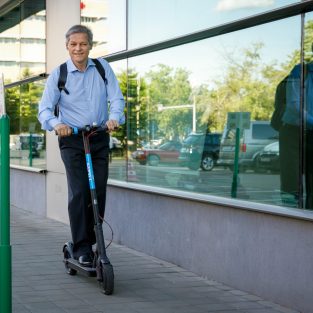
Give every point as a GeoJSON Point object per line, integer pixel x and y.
{"type": "Point", "coordinates": [143, 284]}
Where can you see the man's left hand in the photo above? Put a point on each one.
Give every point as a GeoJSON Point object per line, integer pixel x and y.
{"type": "Point", "coordinates": [112, 125]}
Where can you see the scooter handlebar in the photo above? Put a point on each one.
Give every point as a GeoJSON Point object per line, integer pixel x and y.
{"type": "Point", "coordinates": [89, 128]}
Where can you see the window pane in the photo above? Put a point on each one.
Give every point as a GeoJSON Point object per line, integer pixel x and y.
{"type": "Point", "coordinates": [107, 20]}
{"type": "Point", "coordinates": [183, 96]}
{"type": "Point", "coordinates": [27, 140]}
{"type": "Point", "coordinates": [178, 19]}
{"type": "Point", "coordinates": [22, 41]}
{"type": "Point", "coordinates": [118, 144]}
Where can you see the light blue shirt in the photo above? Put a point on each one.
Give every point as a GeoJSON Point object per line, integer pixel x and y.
{"type": "Point", "coordinates": [89, 101]}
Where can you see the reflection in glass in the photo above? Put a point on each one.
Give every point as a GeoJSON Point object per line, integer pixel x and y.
{"type": "Point", "coordinates": [27, 140]}
{"type": "Point", "coordinates": [184, 95]}
{"type": "Point", "coordinates": [118, 166]}
{"type": "Point", "coordinates": [106, 19]}
{"type": "Point", "coordinates": [22, 41]}
{"type": "Point", "coordinates": [144, 16]}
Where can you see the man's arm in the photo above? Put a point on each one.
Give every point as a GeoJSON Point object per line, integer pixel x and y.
{"type": "Point", "coordinates": [115, 98]}
{"type": "Point", "coordinates": [48, 101]}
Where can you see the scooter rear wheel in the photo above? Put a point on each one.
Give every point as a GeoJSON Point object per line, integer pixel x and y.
{"type": "Point", "coordinates": [107, 282]}
{"type": "Point", "coordinates": [67, 256]}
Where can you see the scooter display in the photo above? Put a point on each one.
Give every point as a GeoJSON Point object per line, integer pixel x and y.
{"type": "Point", "coordinates": [101, 266]}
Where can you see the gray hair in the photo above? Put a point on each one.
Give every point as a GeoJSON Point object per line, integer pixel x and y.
{"type": "Point", "coordinates": [79, 29]}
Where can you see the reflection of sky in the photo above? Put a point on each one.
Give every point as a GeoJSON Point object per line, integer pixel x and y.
{"type": "Point", "coordinates": [206, 59]}
{"type": "Point", "coordinates": [152, 21]}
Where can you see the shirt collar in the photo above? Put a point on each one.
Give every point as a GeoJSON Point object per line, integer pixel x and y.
{"type": "Point", "coordinates": [72, 68]}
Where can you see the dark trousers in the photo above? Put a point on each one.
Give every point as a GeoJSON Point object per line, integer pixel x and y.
{"type": "Point", "coordinates": [290, 153]}
{"type": "Point", "coordinates": [79, 200]}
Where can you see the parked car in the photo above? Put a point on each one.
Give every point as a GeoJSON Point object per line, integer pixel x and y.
{"type": "Point", "coordinates": [200, 150]}
{"type": "Point", "coordinates": [252, 141]}
{"type": "Point", "coordinates": [268, 158]}
{"type": "Point", "coordinates": [166, 153]}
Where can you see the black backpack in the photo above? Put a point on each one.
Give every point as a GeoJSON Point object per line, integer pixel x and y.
{"type": "Point", "coordinates": [63, 78]}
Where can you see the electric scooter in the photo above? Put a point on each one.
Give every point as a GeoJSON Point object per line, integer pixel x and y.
{"type": "Point", "coordinates": [101, 266]}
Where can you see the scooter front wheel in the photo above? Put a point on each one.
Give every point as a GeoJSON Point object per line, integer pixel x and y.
{"type": "Point", "coordinates": [107, 282]}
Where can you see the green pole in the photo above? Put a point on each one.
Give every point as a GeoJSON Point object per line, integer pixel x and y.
{"type": "Point", "coordinates": [5, 248]}
{"type": "Point", "coordinates": [234, 185]}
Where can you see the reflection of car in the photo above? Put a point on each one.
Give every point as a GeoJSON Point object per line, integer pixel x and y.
{"type": "Point", "coordinates": [166, 153]}
{"type": "Point", "coordinates": [38, 139]}
{"type": "Point", "coordinates": [22, 142]}
{"type": "Point", "coordinates": [200, 150]}
{"type": "Point", "coordinates": [252, 141]}
{"type": "Point", "coordinates": [268, 158]}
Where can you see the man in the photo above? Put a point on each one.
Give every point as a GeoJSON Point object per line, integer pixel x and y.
{"type": "Point", "coordinates": [84, 102]}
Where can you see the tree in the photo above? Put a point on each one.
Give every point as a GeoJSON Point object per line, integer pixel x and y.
{"type": "Point", "coordinates": [134, 90]}
{"type": "Point", "coordinates": [248, 86]}
{"type": "Point", "coordinates": [22, 105]}
{"type": "Point", "coordinates": [169, 87]}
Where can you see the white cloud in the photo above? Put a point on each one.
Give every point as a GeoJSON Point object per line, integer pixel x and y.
{"type": "Point", "coordinates": [228, 5]}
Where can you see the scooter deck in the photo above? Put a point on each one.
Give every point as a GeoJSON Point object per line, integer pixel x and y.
{"type": "Point", "coordinates": [87, 271]}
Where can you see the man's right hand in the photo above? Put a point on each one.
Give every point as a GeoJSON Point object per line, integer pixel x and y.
{"type": "Point", "coordinates": [62, 130]}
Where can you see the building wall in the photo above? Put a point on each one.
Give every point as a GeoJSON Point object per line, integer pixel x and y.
{"type": "Point", "coordinates": [263, 254]}
{"type": "Point", "coordinates": [28, 190]}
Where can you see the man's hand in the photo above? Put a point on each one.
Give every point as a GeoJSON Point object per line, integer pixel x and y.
{"type": "Point", "coordinates": [62, 130]}
{"type": "Point", "coordinates": [112, 125]}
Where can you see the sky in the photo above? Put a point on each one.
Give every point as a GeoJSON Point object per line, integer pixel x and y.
{"type": "Point", "coordinates": [206, 59]}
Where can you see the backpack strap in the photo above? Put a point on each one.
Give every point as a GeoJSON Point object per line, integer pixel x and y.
{"type": "Point", "coordinates": [100, 69]}
{"type": "Point", "coordinates": [61, 85]}
{"type": "Point", "coordinates": [62, 78]}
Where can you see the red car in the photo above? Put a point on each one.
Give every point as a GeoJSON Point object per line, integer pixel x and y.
{"type": "Point", "coordinates": [166, 153]}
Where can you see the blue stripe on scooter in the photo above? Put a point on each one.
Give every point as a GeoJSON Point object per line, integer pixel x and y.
{"type": "Point", "coordinates": [90, 172]}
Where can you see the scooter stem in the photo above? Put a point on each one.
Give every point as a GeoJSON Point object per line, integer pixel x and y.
{"type": "Point", "coordinates": [94, 201]}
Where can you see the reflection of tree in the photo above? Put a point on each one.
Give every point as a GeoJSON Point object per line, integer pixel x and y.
{"type": "Point", "coordinates": [12, 102]}
{"type": "Point", "coordinates": [134, 90]}
{"type": "Point", "coordinates": [248, 85]}
{"type": "Point", "coordinates": [22, 105]}
{"type": "Point", "coordinates": [170, 87]}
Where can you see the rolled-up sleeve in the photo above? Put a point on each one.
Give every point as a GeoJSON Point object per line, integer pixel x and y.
{"type": "Point", "coordinates": [48, 102]}
{"type": "Point", "coordinates": [115, 96]}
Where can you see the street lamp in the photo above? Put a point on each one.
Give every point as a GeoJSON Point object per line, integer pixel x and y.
{"type": "Point", "coordinates": [161, 108]}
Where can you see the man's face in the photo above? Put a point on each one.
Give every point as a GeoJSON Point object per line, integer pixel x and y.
{"type": "Point", "coordinates": [78, 48]}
